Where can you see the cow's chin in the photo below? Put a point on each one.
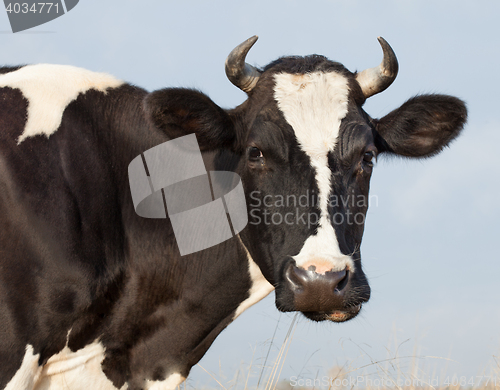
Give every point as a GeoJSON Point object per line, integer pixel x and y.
{"type": "Point", "coordinates": [334, 316]}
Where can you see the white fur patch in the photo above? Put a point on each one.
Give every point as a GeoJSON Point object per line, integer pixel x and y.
{"type": "Point", "coordinates": [170, 383]}
{"type": "Point", "coordinates": [49, 89]}
{"type": "Point", "coordinates": [260, 289]}
{"type": "Point", "coordinates": [314, 105]}
{"type": "Point", "coordinates": [28, 373]}
{"type": "Point", "coordinates": [80, 370]}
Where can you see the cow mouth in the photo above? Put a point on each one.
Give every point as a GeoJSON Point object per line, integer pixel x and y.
{"type": "Point", "coordinates": [334, 316]}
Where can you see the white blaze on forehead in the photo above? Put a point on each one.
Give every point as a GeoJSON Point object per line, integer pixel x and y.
{"type": "Point", "coordinates": [49, 89]}
{"type": "Point", "coordinates": [314, 104]}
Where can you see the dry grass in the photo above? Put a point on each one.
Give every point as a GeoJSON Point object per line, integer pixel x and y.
{"type": "Point", "coordinates": [393, 373]}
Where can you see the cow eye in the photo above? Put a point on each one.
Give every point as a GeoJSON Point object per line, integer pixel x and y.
{"type": "Point", "coordinates": [369, 157]}
{"type": "Point", "coordinates": [254, 153]}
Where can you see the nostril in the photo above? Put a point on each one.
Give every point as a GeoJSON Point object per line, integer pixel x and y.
{"type": "Point", "coordinates": [343, 282]}
{"type": "Point", "coordinates": [296, 276]}
{"type": "Point", "coordinates": [336, 280]}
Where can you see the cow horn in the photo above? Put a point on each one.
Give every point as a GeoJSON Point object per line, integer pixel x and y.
{"type": "Point", "coordinates": [375, 80]}
{"type": "Point", "coordinates": [241, 74]}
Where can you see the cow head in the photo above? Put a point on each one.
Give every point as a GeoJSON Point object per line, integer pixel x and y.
{"type": "Point", "coordinates": [306, 151]}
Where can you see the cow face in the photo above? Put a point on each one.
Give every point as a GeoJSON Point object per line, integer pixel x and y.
{"type": "Point", "coordinates": [306, 153]}
{"type": "Point", "coordinates": [307, 193]}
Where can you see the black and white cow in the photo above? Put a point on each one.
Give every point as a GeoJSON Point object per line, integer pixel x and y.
{"type": "Point", "coordinates": [95, 297]}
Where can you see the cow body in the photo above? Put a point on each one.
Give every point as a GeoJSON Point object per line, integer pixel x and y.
{"type": "Point", "coordinates": [74, 251]}
{"type": "Point", "coordinates": [95, 296]}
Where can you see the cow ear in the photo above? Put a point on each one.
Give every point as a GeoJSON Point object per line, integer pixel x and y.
{"type": "Point", "coordinates": [179, 112]}
{"type": "Point", "coordinates": [422, 126]}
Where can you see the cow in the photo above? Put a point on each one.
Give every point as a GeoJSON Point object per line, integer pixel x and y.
{"type": "Point", "coordinates": [93, 296]}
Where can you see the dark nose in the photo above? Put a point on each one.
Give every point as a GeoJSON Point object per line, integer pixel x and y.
{"type": "Point", "coordinates": [317, 291]}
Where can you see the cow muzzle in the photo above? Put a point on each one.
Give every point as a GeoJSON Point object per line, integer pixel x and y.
{"type": "Point", "coordinates": [322, 294]}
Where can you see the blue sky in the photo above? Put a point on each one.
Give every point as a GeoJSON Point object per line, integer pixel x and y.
{"type": "Point", "coordinates": [429, 247]}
